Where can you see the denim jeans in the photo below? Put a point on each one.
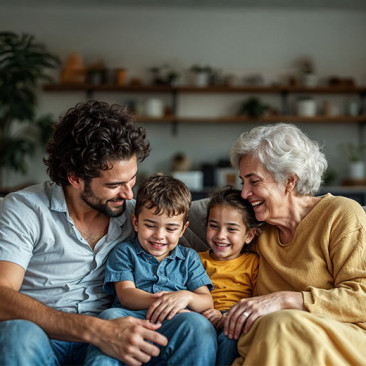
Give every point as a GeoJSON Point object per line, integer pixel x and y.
{"type": "Point", "coordinates": [192, 340]}
{"type": "Point", "coordinates": [25, 343]}
{"type": "Point", "coordinates": [227, 349]}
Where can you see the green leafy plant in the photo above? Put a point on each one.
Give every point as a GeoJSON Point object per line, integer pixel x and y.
{"type": "Point", "coordinates": [199, 68]}
{"type": "Point", "coordinates": [164, 75]}
{"type": "Point", "coordinates": [253, 107]}
{"type": "Point", "coordinates": [353, 152]}
{"type": "Point", "coordinates": [23, 63]}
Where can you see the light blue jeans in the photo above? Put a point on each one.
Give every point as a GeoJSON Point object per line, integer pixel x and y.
{"type": "Point", "coordinates": [192, 340]}
{"type": "Point", "coordinates": [23, 343]}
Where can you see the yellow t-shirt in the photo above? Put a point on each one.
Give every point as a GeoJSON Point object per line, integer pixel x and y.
{"type": "Point", "coordinates": [233, 279]}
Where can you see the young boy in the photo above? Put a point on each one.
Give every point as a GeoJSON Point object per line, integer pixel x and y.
{"type": "Point", "coordinates": [154, 278]}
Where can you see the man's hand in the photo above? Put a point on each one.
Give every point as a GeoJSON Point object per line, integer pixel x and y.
{"type": "Point", "coordinates": [129, 340]}
{"type": "Point", "coordinates": [167, 305]}
{"type": "Point", "coordinates": [214, 316]}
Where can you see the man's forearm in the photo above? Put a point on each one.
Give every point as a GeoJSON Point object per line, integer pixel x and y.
{"type": "Point", "coordinates": [57, 324]}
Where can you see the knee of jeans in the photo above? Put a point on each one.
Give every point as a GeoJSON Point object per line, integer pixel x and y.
{"type": "Point", "coordinates": [112, 313]}
{"type": "Point", "coordinates": [197, 323]}
{"type": "Point", "coordinates": [22, 331]}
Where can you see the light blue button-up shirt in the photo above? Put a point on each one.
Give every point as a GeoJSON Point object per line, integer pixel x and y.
{"type": "Point", "coordinates": [62, 271]}
{"type": "Point", "coordinates": [181, 270]}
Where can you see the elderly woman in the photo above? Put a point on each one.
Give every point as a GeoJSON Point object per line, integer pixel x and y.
{"type": "Point", "coordinates": [310, 304]}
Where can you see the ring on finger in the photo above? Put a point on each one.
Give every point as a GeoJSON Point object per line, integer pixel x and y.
{"type": "Point", "coordinates": [245, 314]}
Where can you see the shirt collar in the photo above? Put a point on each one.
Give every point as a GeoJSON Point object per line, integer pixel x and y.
{"type": "Point", "coordinates": [58, 202]}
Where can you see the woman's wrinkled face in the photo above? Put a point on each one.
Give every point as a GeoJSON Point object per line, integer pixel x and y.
{"type": "Point", "coordinates": [267, 197]}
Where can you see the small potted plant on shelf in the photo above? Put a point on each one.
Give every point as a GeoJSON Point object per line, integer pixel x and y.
{"type": "Point", "coordinates": [307, 73]}
{"type": "Point", "coordinates": [201, 75]}
{"type": "Point", "coordinates": [164, 75]}
{"type": "Point", "coordinates": [253, 107]}
{"type": "Point", "coordinates": [355, 154]}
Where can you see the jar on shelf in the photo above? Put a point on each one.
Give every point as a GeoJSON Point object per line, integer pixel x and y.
{"type": "Point", "coordinates": [306, 107]}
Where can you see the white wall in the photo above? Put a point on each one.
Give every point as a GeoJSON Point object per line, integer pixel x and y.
{"type": "Point", "coordinates": [236, 40]}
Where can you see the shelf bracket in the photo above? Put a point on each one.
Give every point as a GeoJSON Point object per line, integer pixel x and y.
{"type": "Point", "coordinates": [285, 108]}
{"type": "Point", "coordinates": [362, 124]}
{"type": "Point", "coordinates": [175, 112]}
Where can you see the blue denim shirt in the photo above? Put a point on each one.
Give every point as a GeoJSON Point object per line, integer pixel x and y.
{"type": "Point", "coordinates": [181, 270]}
{"type": "Point", "coordinates": [61, 269]}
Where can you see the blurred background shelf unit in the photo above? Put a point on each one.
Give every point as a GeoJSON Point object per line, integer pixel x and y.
{"type": "Point", "coordinates": [284, 92]}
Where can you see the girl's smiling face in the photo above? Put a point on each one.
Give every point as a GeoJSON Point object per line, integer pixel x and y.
{"type": "Point", "coordinates": [227, 233]}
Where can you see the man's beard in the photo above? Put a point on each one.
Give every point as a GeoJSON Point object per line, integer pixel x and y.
{"type": "Point", "coordinates": [92, 201]}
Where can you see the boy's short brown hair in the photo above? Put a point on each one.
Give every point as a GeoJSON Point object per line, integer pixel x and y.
{"type": "Point", "coordinates": [164, 193]}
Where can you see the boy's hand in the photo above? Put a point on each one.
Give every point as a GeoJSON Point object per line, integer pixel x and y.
{"type": "Point", "coordinates": [167, 305]}
{"type": "Point", "coordinates": [214, 316]}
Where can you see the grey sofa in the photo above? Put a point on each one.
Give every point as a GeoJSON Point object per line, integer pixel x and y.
{"type": "Point", "coordinates": [195, 235]}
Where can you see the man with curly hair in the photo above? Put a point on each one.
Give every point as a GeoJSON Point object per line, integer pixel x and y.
{"type": "Point", "coordinates": [54, 242]}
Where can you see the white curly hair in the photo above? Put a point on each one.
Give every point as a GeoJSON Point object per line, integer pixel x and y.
{"type": "Point", "coordinates": [284, 150]}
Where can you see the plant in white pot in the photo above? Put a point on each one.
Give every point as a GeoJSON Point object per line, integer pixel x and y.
{"type": "Point", "coordinates": [202, 75]}
{"type": "Point", "coordinates": [306, 72]}
{"type": "Point", "coordinates": [355, 154]}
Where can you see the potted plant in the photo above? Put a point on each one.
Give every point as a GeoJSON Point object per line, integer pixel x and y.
{"type": "Point", "coordinates": [306, 71]}
{"type": "Point", "coordinates": [253, 107]}
{"type": "Point", "coordinates": [23, 63]}
{"type": "Point", "coordinates": [355, 153]}
{"type": "Point", "coordinates": [202, 75]}
{"type": "Point", "coordinates": [164, 75]}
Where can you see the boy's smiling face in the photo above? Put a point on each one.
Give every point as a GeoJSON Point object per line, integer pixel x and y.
{"type": "Point", "coordinates": [158, 234]}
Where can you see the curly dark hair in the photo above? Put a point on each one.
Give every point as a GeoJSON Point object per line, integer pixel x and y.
{"type": "Point", "coordinates": [230, 196]}
{"type": "Point", "coordinates": [164, 193]}
{"type": "Point", "coordinates": [91, 135]}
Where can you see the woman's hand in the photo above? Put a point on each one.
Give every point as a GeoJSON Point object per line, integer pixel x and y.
{"type": "Point", "coordinates": [213, 316]}
{"type": "Point", "coordinates": [243, 314]}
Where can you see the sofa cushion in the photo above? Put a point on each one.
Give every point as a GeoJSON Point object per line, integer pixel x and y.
{"type": "Point", "coordinates": [195, 235]}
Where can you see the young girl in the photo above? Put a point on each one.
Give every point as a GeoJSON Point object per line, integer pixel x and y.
{"type": "Point", "coordinates": [231, 228]}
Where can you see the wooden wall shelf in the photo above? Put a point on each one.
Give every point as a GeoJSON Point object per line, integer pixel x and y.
{"type": "Point", "coordinates": [283, 91]}
{"type": "Point", "coordinates": [211, 89]}
{"type": "Point", "coordinates": [244, 119]}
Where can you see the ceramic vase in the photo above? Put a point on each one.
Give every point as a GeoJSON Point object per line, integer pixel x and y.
{"type": "Point", "coordinates": [357, 170]}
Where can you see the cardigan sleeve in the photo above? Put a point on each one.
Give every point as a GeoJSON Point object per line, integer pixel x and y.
{"type": "Point", "coordinates": [346, 247]}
